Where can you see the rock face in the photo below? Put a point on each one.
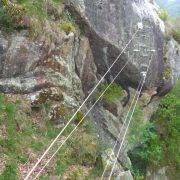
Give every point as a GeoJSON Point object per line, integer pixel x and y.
{"type": "Point", "coordinates": [21, 55]}
{"type": "Point", "coordinates": [173, 56]}
{"type": "Point", "coordinates": [64, 69]}
{"type": "Point", "coordinates": [110, 25]}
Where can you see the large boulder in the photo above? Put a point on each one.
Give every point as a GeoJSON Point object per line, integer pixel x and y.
{"type": "Point", "coordinates": [110, 25]}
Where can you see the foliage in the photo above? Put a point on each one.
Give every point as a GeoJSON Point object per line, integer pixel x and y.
{"type": "Point", "coordinates": [16, 141]}
{"type": "Point", "coordinates": [11, 16]}
{"type": "Point", "coordinates": [173, 29]}
{"type": "Point", "coordinates": [97, 171]}
{"type": "Point", "coordinates": [172, 6]}
{"type": "Point", "coordinates": [51, 131]}
{"type": "Point", "coordinates": [65, 159]}
{"type": "Point", "coordinates": [176, 34]}
{"type": "Point", "coordinates": [82, 149]}
{"type": "Point", "coordinates": [9, 109]}
{"type": "Point", "coordinates": [85, 149]}
{"type": "Point", "coordinates": [10, 171]}
{"type": "Point", "coordinates": [36, 145]}
{"type": "Point", "coordinates": [163, 14]}
{"type": "Point", "coordinates": [167, 73]}
{"type": "Point", "coordinates": [38, 14]}
{"type": "Point", "coordinates": [58, 1]}
{"type": "Point", "coordinates": [67, 26]}
{"type": "Point", "coordinates": [34, 15]}
{"type": "Point", "coordinates": [169, 117]}
{"type": "Point", "coordinates": [148, 153]}
{"type": "Point", "coordinates": [113, 92]}
{"type": "Point", "coordinates": [90, 127]}
{"type": "Point", "coordinates": [78, 174]}
{"type": "Point", "coordinates": [79, 118]}
{"type": "Point", "coordinates": [160, 139]}
{"type": "Point", "coordinates": [134, 134]}
{"type": "Point", "coordinates": [5, 20]}
{"type": "Point", "coordinates": [35, 9]}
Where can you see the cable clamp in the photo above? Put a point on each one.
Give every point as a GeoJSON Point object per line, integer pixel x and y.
{"type": "Point", "coordinates": [140, 25]}
{"type": "Point", "coordinates": [144, 74]}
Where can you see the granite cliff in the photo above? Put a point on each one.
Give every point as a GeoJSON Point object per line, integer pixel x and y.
{"type": "Point", "coordinates": [61, 64]}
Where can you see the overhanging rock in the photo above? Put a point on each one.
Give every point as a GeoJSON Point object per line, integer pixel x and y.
{"type": "Point", "coordinates": [110, 25]}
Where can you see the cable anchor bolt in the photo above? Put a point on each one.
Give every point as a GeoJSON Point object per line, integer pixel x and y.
{"type": "Point", "coordinates": [140, 25]}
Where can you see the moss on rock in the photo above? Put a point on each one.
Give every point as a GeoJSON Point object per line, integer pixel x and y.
{"type": "Point", "coordinates": [167, 74]}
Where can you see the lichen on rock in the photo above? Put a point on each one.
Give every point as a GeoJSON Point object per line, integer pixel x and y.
{"type": "Point", "coordinates": [54, 62]}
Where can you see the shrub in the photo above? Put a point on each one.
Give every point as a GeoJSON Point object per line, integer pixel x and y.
{"type": "Point", "coordinates": [79, 118]}
{"type": "Point", "coordinates": [50, 131]}
{"type": "Point", "coordinates": [36, 145]}
{"type": "Point", "coordinates": [176, 34]}
{"type": "Point", "coordinates": [90, 126]}
{"type": "Point", "coordinates": [12, 16]}
{"type": "Point", "coordinates": [64, 160]}
{"type": "Point", "coordinates": [5, 20]}
{"type": "Point", "coordinates": [148, 153]}
{"type": "Point", "coordinates": [36, 9]}
{"type": "Point", "coordinates": [169, 117]}
{"type": "Point", "coordinates": [167, 73]}
{"type": "Point", "coordinates": [163, 14]}
{"type": "Point", "coordinates": [113, 93]}
{"type": "Point", "coordinates": [10, 171]}
{"type": "Point", "coordinates": [97, 170]}
{"type": "Point", "coordinates": [134, 134]}
{"type": "Point", "coordinates": [85, 149]}
{"type": "Point", "coordinates": [77, 174]}
{"type": "Point", "coordinates": [67, 26]}
{"type": "Point", "coordinates": [160, 146]}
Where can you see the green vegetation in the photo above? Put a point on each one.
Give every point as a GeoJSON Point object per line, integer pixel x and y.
{"type": "Point", "coordinates": [67, 26]}
{"type": "Point", "coordinates": [8, 110]}
{"type": "Point", "coordinates": [5, 20]}
{"type": "Point", "coordinates": [22, 133]}
{"type": "Point", "coordinates": [85, 149]}
{"type": "Point", "coordinates": [113, 93]}
{"type": "Point", "coordinates": [81, 150]}
{"type": "Point", "coordinates": [35, 16]}
{"type": "Point", "coordinates": [176, 34]}
{"type": "Point", "coordinates": [11, 16]}
{"type": "Point", "coordinates": [172, 6]}
{"type": "Point", "coordinates": [167, 73]}
{"type": "Point", "coordinates": [173, 28]}
{"type": "Point", "coordinates": [172, 25]}
{"type": "Point", "coordinates": [10, 171]}
{"type": "Point", "coordinates": [134, 135]}
{"type": "Point", "coordinates": [79, 118]}
{"type": "Point", "coordinates": [37, 146]}
{"type": "Point", "coordinates": [78, 174]}
{"type": "Point", "coordinates": [65, 159]}
{"type": "Point", "coordinates": [160, 139]}
{"type": "Point", "coordinates": [163, 14]}
{"type": "Point", "coordinates": [97, 171]}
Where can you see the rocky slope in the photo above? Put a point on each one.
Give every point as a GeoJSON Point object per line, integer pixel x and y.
{"type": "Point", "coordinates": [62, 67]}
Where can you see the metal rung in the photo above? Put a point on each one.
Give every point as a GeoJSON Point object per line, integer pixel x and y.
{"type": "Point", "coordinates": [142, 45]}
{"type": "Point", "coordinates": [140, 25]}
{"type": "Point", "coordinates": [136, 50]}
{"type": "Point", "coordinates": [152, 50]}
